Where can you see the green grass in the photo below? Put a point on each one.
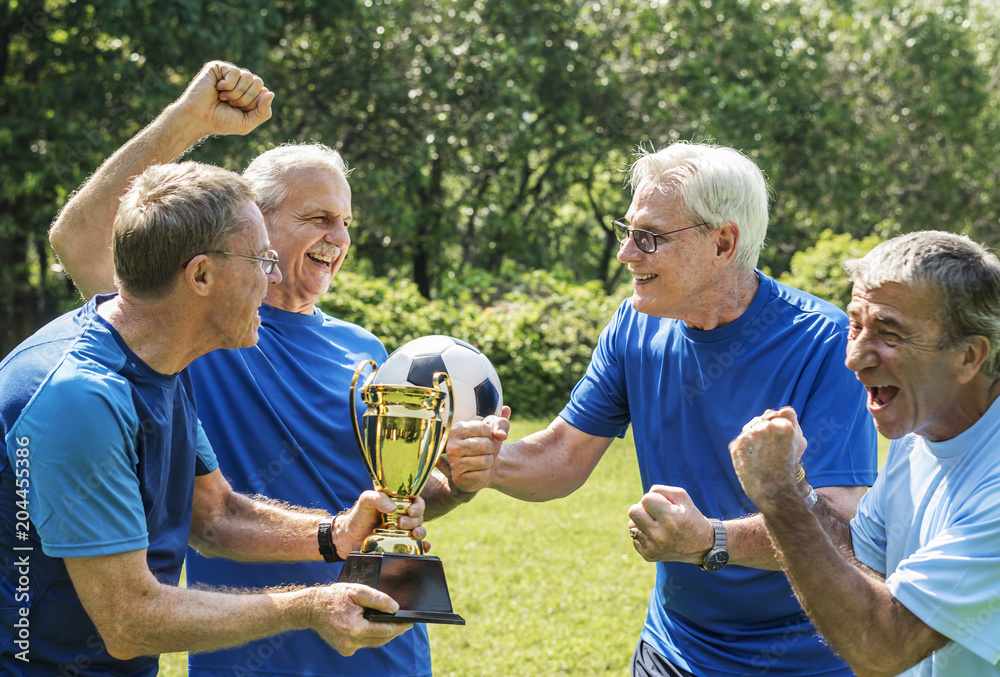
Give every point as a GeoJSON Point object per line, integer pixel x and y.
{"type": "Point", "coordinates": [545, 588]}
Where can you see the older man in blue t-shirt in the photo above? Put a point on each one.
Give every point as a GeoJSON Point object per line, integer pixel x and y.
{"type": "Point", "coordinates": [705, 341]}
{"type": "Point", "coordinates": [278, 415]}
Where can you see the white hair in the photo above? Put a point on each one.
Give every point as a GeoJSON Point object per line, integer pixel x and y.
{"type": "Point", "coordinates": [718, 185]}
{"type": "Point", "coordinates": [267, 172]}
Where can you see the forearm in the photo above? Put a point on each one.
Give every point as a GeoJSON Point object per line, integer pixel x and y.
{"type": "Point", "coordinates": [549, 464]}
{"type": "Point", "coordinates": [254, 530]}
{"type": "Point", "coordinates": [749, 543]}
{"type": "Point", "coordinates": [178, 619]}
{"type": "Point", "coordinates": [81, 235]}
{"type": "Point", "coordinates": [852, 609]}
{"type": "Point", "coordinates": [442, 496]}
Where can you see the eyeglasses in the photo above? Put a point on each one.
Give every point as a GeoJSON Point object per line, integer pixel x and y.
{"type": "Point", "coordinates": [645, 240]}
{"type": "Point", "coordinates": [267, 263]}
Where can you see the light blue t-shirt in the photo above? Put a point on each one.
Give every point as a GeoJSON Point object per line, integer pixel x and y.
{"type": "Point", "coordinates": [687, 394]}
{"type": "Point", "coordinates": [279, 417]}
{"type": "Point", "coordinates": [100, 457]}
{"type": "Point", "coordinates": [931, 523]}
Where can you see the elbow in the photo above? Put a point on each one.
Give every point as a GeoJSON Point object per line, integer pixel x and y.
{"type": "Point", "coordinates": [886, 665]}
{"type": "Point", "coordinates": [57, 239]}
{"type": "Point", "coordinates": [120, 642]}
{"type": "Point", "coordinates": [205, 546]}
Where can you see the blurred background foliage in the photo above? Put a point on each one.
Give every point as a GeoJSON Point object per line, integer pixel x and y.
{"type": "Point", "coordinates": [487, 137]}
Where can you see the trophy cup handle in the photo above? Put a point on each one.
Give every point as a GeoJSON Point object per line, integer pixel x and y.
{"type": "Point", "coordinates": [354, 416]}
{"type": "Point", "coordinates": [444, 384]}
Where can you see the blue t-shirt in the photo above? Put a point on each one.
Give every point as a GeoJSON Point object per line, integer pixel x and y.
{"type": "Point", "coordinates": [100, 457]}
{"type": "Point", "coordinates": [687, 393]}
{"type": "Point", "coordinates": [278, 416]}
{"type": "Point", "coordinates": [931, 524]}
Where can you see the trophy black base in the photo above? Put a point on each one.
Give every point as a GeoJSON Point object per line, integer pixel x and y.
{"type": "Point", "coordinates": [416, 582]}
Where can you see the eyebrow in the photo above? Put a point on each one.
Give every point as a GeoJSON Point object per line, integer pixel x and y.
{"type": "Point", "coordinates": [853, 312]}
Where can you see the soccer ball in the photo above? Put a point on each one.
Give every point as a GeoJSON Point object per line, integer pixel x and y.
{"type": "Point", "coordinates": [474, 381]}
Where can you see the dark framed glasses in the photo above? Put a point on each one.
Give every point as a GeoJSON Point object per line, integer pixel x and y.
{"type": "Point", "coordinates": [644, 240]}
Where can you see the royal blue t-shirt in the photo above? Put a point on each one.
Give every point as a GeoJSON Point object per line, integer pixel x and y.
{"type": "Point", "coordinates": [687, 393]}
{"type": "Point", "coordinates": [278, 416]}
{"type": "Point", "coordinates": [100, 457]}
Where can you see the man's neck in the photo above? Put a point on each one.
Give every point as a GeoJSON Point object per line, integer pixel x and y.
{"type": "Point", "coordinates": [154, 332]}
{"type": "Point", "coordinates": [730, 300]}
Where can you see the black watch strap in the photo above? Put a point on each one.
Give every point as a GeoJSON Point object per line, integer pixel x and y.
{"type": "Point", "coordinates": [325, 538]}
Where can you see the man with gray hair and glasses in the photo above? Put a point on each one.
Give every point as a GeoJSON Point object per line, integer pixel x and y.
{"type": "Point", "coordinates": [912, 584]}
{"type": "Point", "coordinates": [278, 415]}
{"type": "Point", "coordinates": [706, 341]}
{"type": "Point", "coordinates": [105, 472]}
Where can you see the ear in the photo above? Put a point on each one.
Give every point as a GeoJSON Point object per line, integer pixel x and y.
{"type": "Point", "coordinates": [725, 239]}
{"type": "Point", "coordinates": [973, 355]}
{"type": "Point", "coordinates": [199, 275]}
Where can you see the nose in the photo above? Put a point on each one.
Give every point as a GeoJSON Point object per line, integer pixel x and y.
{"type": "Point", "coordinates": [338, 234]}
{"type": "Point", "coordinates": [274, 277]}
{"type": "Point", "coordinates": [628, 251]}
{"type": "Point", "coordinates": [860, 353]}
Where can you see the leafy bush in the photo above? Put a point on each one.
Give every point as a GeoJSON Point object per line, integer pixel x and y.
{"type": "Point", "coordinates": [819, 269]}
{"type": "Point", "coordinates": [539, 333]}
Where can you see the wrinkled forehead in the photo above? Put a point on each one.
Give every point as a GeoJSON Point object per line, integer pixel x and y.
{"type": "Point", "coordinates": [896, 303]}
{"type": "Point", "coordinates": [653, 201]}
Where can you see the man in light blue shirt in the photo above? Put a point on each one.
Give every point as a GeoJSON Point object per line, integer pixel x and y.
{"type": "Point", "coordinates": [924, 589]}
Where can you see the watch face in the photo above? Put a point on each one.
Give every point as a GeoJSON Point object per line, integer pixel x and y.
{"type": "Point", "coordinates": [716, 560]}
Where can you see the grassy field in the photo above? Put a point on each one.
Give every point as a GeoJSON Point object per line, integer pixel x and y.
{"type": "Point", "coordinates": [546, 589]}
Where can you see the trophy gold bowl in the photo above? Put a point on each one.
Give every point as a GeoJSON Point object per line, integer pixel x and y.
{"type": "Point", "coordinates": [402, 433]}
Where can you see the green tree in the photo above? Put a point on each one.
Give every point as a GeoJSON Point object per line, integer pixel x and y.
{"type": "Point", "coordinates": [819, 269]}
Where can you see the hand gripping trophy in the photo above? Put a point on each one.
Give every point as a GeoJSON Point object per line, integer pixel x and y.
{"type": "Point", "coordinates": [411, 406]}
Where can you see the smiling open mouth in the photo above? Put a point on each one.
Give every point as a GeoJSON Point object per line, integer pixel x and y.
{"type": "Point", "coordinates": [879, 396]}
{"type": "Point", "coordinates": [325, 258]}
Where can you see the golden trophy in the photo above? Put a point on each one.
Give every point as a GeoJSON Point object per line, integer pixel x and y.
{"type": "Point", "coordinates": [402, 434]}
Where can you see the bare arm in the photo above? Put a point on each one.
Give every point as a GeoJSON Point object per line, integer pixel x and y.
{"type": "Point", "coordinates": [136, 615]}
{"type": "Point", "coordinates": [227, 524]}
{"type": "Point", "coordinates": [673, 529]}
{"type": "Point", "coordinates": [549, 464]}
{"type": "Point", "coordinates": [222, 99]}
{"type": "Point", "coordinates": [852, 608]}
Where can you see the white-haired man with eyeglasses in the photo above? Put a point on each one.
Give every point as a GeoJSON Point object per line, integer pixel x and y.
{"type": "Point", "coordinates": [704, 341]}
{"type": "Point", "coordinates": [277, 415]}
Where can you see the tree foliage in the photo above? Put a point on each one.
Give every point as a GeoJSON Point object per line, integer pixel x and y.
{"type": "Point", "coordinates": [490, 135]}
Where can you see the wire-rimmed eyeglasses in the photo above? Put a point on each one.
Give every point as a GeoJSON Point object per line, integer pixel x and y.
{"type": "Point", "coordinates": [267, 262]}
{"type": "Point", "coordinates": [645, 240]}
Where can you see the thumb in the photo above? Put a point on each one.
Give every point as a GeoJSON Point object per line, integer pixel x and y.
{"type": "Point", "coordinates": [371, 598]}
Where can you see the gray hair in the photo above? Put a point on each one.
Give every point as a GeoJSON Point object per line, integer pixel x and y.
{"type": "Point", "coordinates": [718, 185]}
{"type": "Point", "coordinates": [965, 274]}
{"type": "Point", "coordinates": [267, 172]}
{"type": "Point", "coordinates": [169, 214]}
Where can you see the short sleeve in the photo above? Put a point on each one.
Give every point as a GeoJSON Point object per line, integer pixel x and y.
{"type": "Point", "coordinates": [843, 446]}
{"type": "Point", "coordinates": [599, 403]}
{"type": "Point", "coordinates": [206, 461]}
{"type": "Point", "coordinates": [80, 432]}
{"type": "Point", "coordinates": [868, 530]}
{"type": "Point", "coordinates": [953, 582]}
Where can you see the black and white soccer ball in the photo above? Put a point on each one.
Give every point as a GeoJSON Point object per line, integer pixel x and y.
{"type": "Point", "coordinates": [473, 379]}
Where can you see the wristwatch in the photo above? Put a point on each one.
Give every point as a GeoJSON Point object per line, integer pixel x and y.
{"type": "Point", "coordinates": [718, 556]}
{"type": "Point", "coordinates": [326, 547]}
